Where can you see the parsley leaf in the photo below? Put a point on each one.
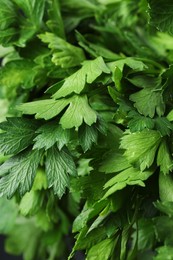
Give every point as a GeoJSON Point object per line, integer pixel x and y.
{"type": "Point", "coordinates": [102, 250]}
{"type": "Point", "coordinates": [19, 134]}
{"type": "Point", "coordinates": [59, 165]}
{"type": "Point", "coordinates": [23, 76]}
{"type": "Point", "coordinates": [87, 136]}
{"type": "Point", "coordinates": [161, 13]}
{"type": "Point", "coordinates": [49, 134]}
{"type": "Point", "coordinates": [129, 176]}
{"type": "Point", "coordinates": [64, 54]}
{"type": "Point", "coordinates": [90, 70]}
{"type": "Point", "coordinates": [50, 108]}
{"type": "Point", "coordinates": [140, 147]}
{"type": "Point", "coordinates": [148, 101]}
{"type": "Point", "coordinates": [19, 172]}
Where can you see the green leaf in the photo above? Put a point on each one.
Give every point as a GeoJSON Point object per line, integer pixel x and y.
{"type": "Point", "coordinates": [30, 203]}
{"type": "Point", "coordinates": [59, 166]}
{"type": "Point", "coordinates": [170, 116]}
{"type": "Point", "coordinates": [144, 81]}
{"type": "Point", "coordinates": [87, 136]}
{"type": "Point", "coordinates": [33, 9]}
{"type": "Point", "coordinates": [166, 187]}
{"type": "Point", "coordinates": [129, 176]}
{"type": "Point", "coordinates": [90, 70]}
{"type": "Point", "coordinates": [164, 252]}
{"type": "Point", "coordinates": [8, 14]}
{"type": "Point", "coordinates": [132, 63]}
{"type": "Point", "coordinates": [149, 101]}
{"type": "Point", "coordinates": [141, 147]}
{"type": "Point", "coordinates": [163, 126]}
{"type": "Point", "coordinates": [49, 134]}
{"type": "Point", "coordinates": [55, 23]}
{"type": "Point", "coordinates": [139, 123]}
{"type": "Point", "coordinates": [163, 227]}
{"type": "Point", "coordinates": [8, 215]}
{"type": "Point", "coordinates": [19, 172]}
{"type": "Point", "coordinates": [164, 159]}
{"type": "Point", "coordinates": [19, 134]}
{"type": "Point", "coordinates": [84, 167]}
{"type": "Point", "coordinates": [22, 73]}
{"type": "Point", "coordinates": [64, 54]}
{"type": "Point", "coordinates": [19, 240]}
{"type": "Point", "coordinates": [114, 162]}
{"type": "Point", "coordinates": [161, 13]}
{"type": "Point", "coordinates": [146, 234]}
{"type": "Point", "coordinates": [102, 250]}
{"type": "Point", "coordinates": [77, 112]}
{"type": "Point", "coordinates": [165, 207]}
{"type": "Point", "coordinates": [47, 108]}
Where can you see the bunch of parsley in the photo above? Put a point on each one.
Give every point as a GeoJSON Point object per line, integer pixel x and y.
{"type": "Point", "coordinates": [86, 112]}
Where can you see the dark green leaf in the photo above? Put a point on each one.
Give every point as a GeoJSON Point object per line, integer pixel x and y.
{"type": "Point", "coordinates": [19, 172]}
{"type": "Point", "coordinates": [87, 136]}
{"type": "Point", "coordinates": [161, 13]}
{"type": "Point", "coordinates": [19, 134]}
{"type": "Point", "coordinates": [49, 134]}
{"type": "Point", "coordinates": [59, 166]}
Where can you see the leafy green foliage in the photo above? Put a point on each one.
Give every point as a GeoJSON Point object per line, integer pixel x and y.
{"type": "Point", "coordinates": [161, 14]}
{"type": "Point", "coordinates": [18, 172]}
{"type": "Point", "coordinates": [141, 147]}
{"type": "Point", "coordinates": [50, 108]}
{"type": "Point", "coordinates": [18, 134]}
{"type": "Point", "coordinates": [49, 134]}
{"type": "Point", "coordinates": [58, 165]}
{"type": "Point", "coordinates": [63, 54]}
{"type": "Point", "coordinates": [87, 74]}
{"type": "Point", "coordinates": [92, 172]}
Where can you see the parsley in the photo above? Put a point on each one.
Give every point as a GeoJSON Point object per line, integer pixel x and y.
{"type": "Point", "coordinates": [86, 128]}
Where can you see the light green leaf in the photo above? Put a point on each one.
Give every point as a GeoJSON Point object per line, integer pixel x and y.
{"type": "Point", "coordinates": [130, 62]}
{"type": "Point", "coordinates": [77, 112]}
{"type": "Point", "coordinates": [47, 108]}
{"type": "Point", "coordinates": [140, 147]}
{"type": "Point", "coordinates": [164, 252]}
{"type": "Point", "coordinates": [170, 116]}
{"type": "Point", "coordinates": [164, 159]}
{"type": "Point", "coordinates": [40, 181]}
{"type": "Point", "coordinates": [90, 70]}
{"type": "Point", "coordinates": [59, 166]}
{"type": "Point", "coordinates": [102, 250]}
{"type": "Point", "coordinates": [49, 134]}
{"type": "Point", "coordinates": [19, 240]}
{"type": "Point", "coordinates": [19, 172]}
{"type": "Point", "coordinates": [19, 134]}
{"type": "Point", "coordinates": [8, 215]}
{"type": "Point", "coordinates": [15, 74]}
{"type": "Point", "coordinates": [30, 203]}
{"type": "Point", "coordinates": [129, 176]}
{"type": "Point", "coordinates": [64, 54]}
